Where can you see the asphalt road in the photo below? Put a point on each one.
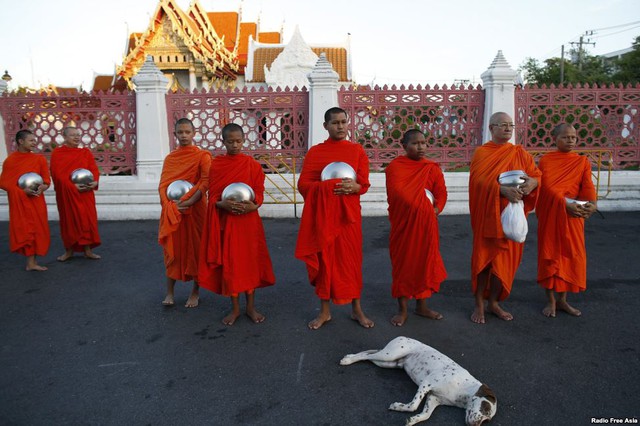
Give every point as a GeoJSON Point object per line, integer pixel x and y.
{"type": "Point", "coordinates": [88, 342]}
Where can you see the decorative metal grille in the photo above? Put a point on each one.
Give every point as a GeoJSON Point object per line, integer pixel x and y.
{"type": "Point", "coordinates": [605, 118]}
{"type": "Point", "coordinates": [275, 122]}
{"type": "Point", "coordinates": [451, 119]}
{"type": "Point", "coordinates": [107, 122]}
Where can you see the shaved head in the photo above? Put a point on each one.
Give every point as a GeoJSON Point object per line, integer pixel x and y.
{"type": "Point", "coordinates": [499, 117]}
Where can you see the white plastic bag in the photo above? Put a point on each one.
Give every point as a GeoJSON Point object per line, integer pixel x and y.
{"type": "Point", "coordinates": [514, 222]}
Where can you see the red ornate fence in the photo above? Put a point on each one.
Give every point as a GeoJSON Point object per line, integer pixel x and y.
{"type": "Point", "coordinates": [275, 122]}
{"type": "Point", "coordinates": [107, 122]}
{"type": "Point", "coordinates": [605, 117]}
{"type": "Point", "coordinates": [451, 119]}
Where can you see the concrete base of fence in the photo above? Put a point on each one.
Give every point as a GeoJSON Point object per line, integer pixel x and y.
{"type": "Point", "coordinates": [128, 198]}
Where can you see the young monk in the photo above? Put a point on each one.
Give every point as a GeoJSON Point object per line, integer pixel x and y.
{"type": "Point", "coordinates": [562, 257]}
{"type": "Point", "coordinates": [417, 267]}
{"type": "Point", "coordinates": [330, 237]}
{"type": "Point", "coordinates": [234, 257]}
{"type": "Point", "coordinates": [495, 258]}
{"type": "Point", "coordinates": [28, 225]}
{"type": "Point", "coordinates": [76, 202]}
{"type": "Point", "coordinates": [181, 222]}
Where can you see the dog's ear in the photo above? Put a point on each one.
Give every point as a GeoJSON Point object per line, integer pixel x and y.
{"type": "Point", "coordinates": [485, 392]}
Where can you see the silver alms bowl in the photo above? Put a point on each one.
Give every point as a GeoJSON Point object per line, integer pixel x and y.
{"type": "Point", "coordinates": [177, 189]}
{"type": "Point", "coordinates": [511, 178]}
{"type": "Point", "coordinates": [578, 202]}
{"type": "Point", "coordinates": [337, 170]}
{"type": "Point", "coordinates": [30, 180]}
{"type": "Point", "coordinates": [429, 195]}
{"type": "Point", "coordinates": [81, 176]}
{"type": "Point", "coordinates": [238, 191]}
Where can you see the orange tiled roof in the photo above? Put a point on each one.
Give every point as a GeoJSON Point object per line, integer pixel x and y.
{"type": "Point", "coordinates": [102, 82]}
{"type": "Point", "coordinates": [269, 37]}
{"type": "Point", "coordinates": [225, 24]}
{"type": "Point", "coordinates": [337, 56]}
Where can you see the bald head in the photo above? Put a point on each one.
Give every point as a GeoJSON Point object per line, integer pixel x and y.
{"type": "Point", "coordinates": [560, 128]}
{"type": "Point", "coordinates": [499, 118]}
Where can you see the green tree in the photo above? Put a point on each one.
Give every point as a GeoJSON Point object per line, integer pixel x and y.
{"type": "Point", "coordinates": [590, 69]}
{"type": "Point", "coordinates": [628, 67]}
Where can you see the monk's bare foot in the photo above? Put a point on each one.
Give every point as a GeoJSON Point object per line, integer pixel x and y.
{"type": "Point", "coordinates": [192, 301]}
{"type": "Point", "coordinates": [91, 255]}
{"type": "Point", "coordinates": [399, 319]}
{"type": "Point", "coordinates": [429, 313]}
{"type": "Point", "coordinates": [36, 268]}
{"type": "Point", "coordinates": [499, 312]}
{"type": "Point", "coordinates": [477, 316]}
{"type": "Point", "coordinates": [231, 318]}
{"type": "Point", "coordinates": [255, 316]}
{"type": "Point", "coordinates": [564, 306]}
{"type": "Point", "coordinates": [319, 321]}
{"type": "Point", "coordinates": [362, 319]}
{"type": "Point", "coordinates": [65, 257]}
{"type": "Point", "coordinates": [168, 301]}
{"type": "Point", "coordinates": [549, 310]}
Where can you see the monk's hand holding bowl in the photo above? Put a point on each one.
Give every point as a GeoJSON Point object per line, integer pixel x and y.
{"type": "Point", "coordinates": [529, 185]}
{"type": "Point", "coordinates": [511, 193]}
{"type": "Point", "coordinates": [247, 206]}
{"type": "Point", "coordinates": [347, 186]}
{"type": "Point", "coordinates": [586, 210]}
{"type": "Point", "coordinates": [575, 210]}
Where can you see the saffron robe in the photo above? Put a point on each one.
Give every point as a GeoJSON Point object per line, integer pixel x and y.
{"type": "Point", "coordinates": [77, 210]}
{"type": "Point", "coordinates": [28, 226]}
{"type": "Point", "coordinates": [417, 268]}
{"type": "Point", "coordinates": [490, 246]}
{"type": "Point", "coordinates": [180, 232]}
{"type": "Point", "coordinates": [562, 257]}
{"type": "Point", "coordinates": [233, 256]}
{"type": "Point", "coordinates": [330, 237]}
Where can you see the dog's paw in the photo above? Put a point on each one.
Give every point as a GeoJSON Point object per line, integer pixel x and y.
{"type": "Point", "coordinates": [347, 360]}
{"type": "Point", "coordinates": [399, 406]}
{"type": "Point", "coordinates": [413, 420]}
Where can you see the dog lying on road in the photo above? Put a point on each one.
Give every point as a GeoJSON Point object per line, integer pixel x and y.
{"type": "Point", "coordinates": [440, 379]}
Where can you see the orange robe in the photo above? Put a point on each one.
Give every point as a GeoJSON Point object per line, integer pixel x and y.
{"type": "Point", "coordinates": [414, 246]}
{"type": "Point", "coordinates": [77, 210]}
{"type": "Point", "coordinates": [330, 236]}
{"type": "Point", "coordinates": [28, 226]}
{"type": "Point", "coordinates": [490, 246]}
{"type": "Point", "coordinates": [233, 256]}
{"type": "Point", "coordinates": [562, 256]}
{"type": "Point", "coordinates": [179, 232]}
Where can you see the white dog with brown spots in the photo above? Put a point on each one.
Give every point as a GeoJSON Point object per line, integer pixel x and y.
{"type": "Point", "coordinates": [440, 380]}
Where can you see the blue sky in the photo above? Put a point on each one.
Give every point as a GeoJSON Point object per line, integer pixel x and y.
{"type": "Point", "coordinates": [64, 42]}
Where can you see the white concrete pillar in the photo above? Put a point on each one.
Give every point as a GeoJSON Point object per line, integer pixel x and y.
{"type": "Point", "coordinates": [205, 82]}
{"type": "Point", "coordinates": [499, 91]}
{"type": "Point", "coordinates": [323, 94]}
{"type": "Point", "coordinates": [3, 138]}
{"type": "Point", "coordinates": [152, 129]}
{"type": "Point", "coordinates": [192, 78]}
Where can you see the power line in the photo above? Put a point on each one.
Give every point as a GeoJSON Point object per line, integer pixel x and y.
{"type": "Point", "coordinates": [616, 26]}
{"type": "Point", "coordinates": [617, 32]}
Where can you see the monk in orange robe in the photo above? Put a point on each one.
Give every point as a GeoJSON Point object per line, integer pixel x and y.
{"type": "Point", "coordinates": [234, 257]}
{"type": "Point", "coordinates": [76, 202]}
{"type": "Point", "coordinates": [495, 258]}
{"type": "Point", "coordinates": [330, 236]}
{"type": "Point", "coordinates": [417, 268]}
{"type": "Point", "coordinates": [562, 256]}
{"type": "Point", "coordinates": [28, 225]}
{"type": "Point", "coordinates": [181, 221]}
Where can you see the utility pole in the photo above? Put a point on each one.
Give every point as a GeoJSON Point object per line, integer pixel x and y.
{"type": "Point", "coordinates": [580, 43]}
{"type": "Point", "coordinates": [562, 65]}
